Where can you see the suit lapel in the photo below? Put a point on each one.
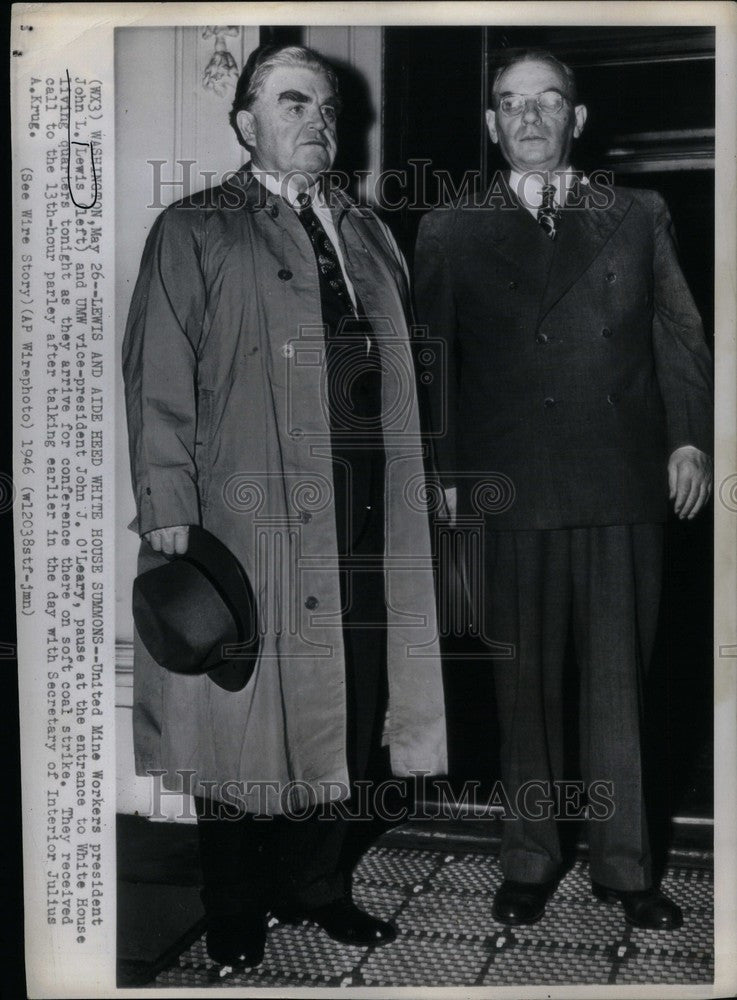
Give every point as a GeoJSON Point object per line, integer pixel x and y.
{"type": "Point", "coordinates": [515, 235]}
{"type": "Point", "coordinates": [582, 235]}
{"type": "Point", "coordinates": [511, 230]}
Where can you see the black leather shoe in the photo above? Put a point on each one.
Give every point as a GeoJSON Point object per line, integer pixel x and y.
{"type": "Point", "coordinates": [643, 907]}
{"type": "Point", "coordinates": [345, 922]}
{"type": "Point", "coordinates": [237, 941]}
{"type": "Point", "coordinates": [521, 902]}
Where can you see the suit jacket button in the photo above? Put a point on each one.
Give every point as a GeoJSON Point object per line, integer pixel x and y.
{"type": "Point", "coordinates": [285, 274]}
{"type": "Point", "coordinates": [512, 286]}
{"type": "Point", "coordinates": [311, 603]}
{"type": "Point", "coordinates": [542, 338]}
{"type": "Point", "coordinates": [612, 398]}
{"type": "Point", "coordinates": [549, 402]}
{"type": "Point", "coordinates": [606, 332]}
{"type": "Point", "coordinates": [611, 277]}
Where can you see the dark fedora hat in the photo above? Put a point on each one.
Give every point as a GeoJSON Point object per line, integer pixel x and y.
{"type": "Point", "coordinates": [189, 609]}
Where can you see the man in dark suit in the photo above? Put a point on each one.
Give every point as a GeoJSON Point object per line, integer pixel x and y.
{"type": "Point", "coordinates": [578, 372]}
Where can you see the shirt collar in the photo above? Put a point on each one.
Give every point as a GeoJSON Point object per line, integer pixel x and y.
{"type": "Point", "coordinates": [289, 192]}
{"type": "Point", "coordinates": [528, 186]}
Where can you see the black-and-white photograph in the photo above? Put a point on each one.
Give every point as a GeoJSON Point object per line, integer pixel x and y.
{"type": "Point", "coordinates": [374, 498]}
{"type": "Point", "coordinates": [414, 473]}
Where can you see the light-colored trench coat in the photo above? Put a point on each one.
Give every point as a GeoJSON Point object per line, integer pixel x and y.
{"type": "Point", "coordinates": [223, 365]}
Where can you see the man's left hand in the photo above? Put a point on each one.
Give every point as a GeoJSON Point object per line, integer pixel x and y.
{"type": "Point", "coordinates": [690, 479]}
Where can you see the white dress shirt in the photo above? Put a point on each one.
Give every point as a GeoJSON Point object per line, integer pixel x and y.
{"type": "Point", "coordinates": [273, 184]}
{"type": "Point", "coordinates": [529, 187]}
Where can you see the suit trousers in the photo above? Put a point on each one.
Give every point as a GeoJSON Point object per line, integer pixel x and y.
{"type": "Point", "coordinates": [602, 583]}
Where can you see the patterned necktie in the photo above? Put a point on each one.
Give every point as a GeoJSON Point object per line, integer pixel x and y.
{"type": "Point", "coordinates": [325, 255]}
{"type": "Point", "coordinates": [548, 215]}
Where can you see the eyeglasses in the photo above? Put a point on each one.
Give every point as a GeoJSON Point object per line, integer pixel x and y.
{"type": "Point", "coordinates": [549, 102]}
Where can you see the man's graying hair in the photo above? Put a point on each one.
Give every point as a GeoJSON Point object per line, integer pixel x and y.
{"type": "Point", "coordinates": [535, 55]}
{"type": "Point", "coordinates": [266, 58]}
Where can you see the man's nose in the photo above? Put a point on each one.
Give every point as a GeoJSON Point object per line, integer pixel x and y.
{"type": "Point", "coordinates": [317, 120]}
{"type": "Point", "coordinates": [532, 111]}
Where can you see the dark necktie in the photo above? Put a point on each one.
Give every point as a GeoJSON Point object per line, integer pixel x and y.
{"type": "Point", "coordinates": [353, 395]}
{"type": "Point", "coordinates": [548, 215]}
{"type": "Point", "coordinates": [325, 255]}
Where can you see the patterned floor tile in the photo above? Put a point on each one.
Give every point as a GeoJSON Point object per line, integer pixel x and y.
{"type": "Point", "coordinates": [695, 938]}
{"type": "Point", "coordinates": [569, 922]}
{"type": "Point", "coordinates": [306, 946]}
{"type": "Point", "coordinates": [447, 916]}
{"type": "Point", "coordinates": [473, 873]}
{"type": "Point", "coordinates": [576, 884]}
{"type": "Point", "coordinates": [647, 969]}
{"type": "Point", "coordinates": [418, 961]}
{"type": "Point", "coordinates": [693, 890]}
{"type": "Point", "coordinates": [395, 866]}
{"type": "Point", "coordinates": [534, 962]}
{"type": "Point", "coordinates": [441, 903]}
{"type": "Point", "coordinates": [381, 901]}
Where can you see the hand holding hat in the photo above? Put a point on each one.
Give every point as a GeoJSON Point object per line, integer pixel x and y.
{"type": "Point", "coordinates": [195, 605]}
{"type": "Point", "coordinates": [170, 541]}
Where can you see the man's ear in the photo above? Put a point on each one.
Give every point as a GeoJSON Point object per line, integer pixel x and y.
{"type": "Point", "coordinates": [247, 127]}
{"type": "Point", "coordinates": [491, 125]}
{"type": "Point", "coordinates": [581, 114]}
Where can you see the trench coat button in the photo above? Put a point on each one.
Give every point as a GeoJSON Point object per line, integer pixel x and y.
{"type": "Point", "coordinates": [512, 286]}
{"type": "Point", "coordinates": [611, 277]}
{"type": "Point", "coordinates": [311, 603]}
{"type": "Point", "coordinates": [549, 401]}
{"type": "Point", "coordinates": [606, 332]}
{"type": "Point", "coordinates": [288, 351]}
{"type": "Point", "coordinates": [285, 274]}
{"type": "Point", "coordinates": [612, 398]}
{"type": "Point", "coordinates": [148, 491]}
{"type": "Point", "coordinates": [274, 210]}
{"type": "Point", "coordinates": [305, 516]}
{"type": "Point", "coordinates": [542, 338]}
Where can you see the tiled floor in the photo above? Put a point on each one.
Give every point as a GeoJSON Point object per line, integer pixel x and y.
{"type": "Point", "coordinates": [441, 904]}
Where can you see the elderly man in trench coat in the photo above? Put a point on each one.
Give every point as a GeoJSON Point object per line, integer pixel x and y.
{"type": "Point", "coordinates": [236, 424]}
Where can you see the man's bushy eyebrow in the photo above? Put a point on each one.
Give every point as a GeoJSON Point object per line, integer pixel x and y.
{"type": "Point", "coordinates": [294, 95]}
{"type": "Point", "coordinates": [300, 98]}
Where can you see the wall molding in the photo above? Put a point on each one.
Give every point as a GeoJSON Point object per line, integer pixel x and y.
{"type": "Point", "coordinates": [202, 131]}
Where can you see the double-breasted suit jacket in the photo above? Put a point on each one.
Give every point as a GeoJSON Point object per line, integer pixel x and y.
{"type": "Point", "coordinates": [582, 360]}
{"type": "Point", "coordinates": [576, 366]}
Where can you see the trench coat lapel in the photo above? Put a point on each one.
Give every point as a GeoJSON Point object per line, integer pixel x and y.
{"type": "Point", "coordinates": [360, 238]}
{"type": "Point", "coordinates": [582, 235]}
